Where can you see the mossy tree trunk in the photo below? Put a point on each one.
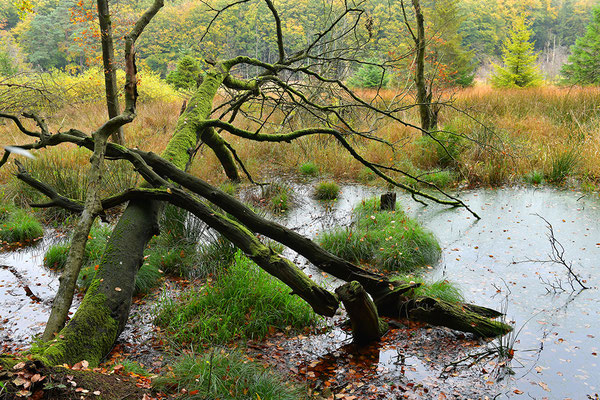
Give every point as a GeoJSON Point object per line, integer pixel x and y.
{"type": "Point", "coordinates": [104, 311]}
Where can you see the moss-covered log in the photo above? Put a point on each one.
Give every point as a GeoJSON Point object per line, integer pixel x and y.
{"type": "Point", "coordinates": [454, 316]}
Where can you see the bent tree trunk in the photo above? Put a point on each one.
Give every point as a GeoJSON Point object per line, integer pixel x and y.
{"type": "Point", "coordinates": [102, 315]}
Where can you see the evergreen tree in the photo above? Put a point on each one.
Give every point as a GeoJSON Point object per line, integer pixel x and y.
{"type": "Point", "coordinates": [519, 59]}
{"type": "Point", "coordinates": [370, 75]}
{"type": "Point", "coordinates": [584, 62]}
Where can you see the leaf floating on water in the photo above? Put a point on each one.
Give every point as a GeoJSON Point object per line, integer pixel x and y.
{"type": "Point", "coordinates": [544, 386]}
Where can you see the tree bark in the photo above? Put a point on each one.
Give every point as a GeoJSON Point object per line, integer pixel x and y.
{"type": "Point", "coordinates": [454, 316]}
{"type": "Point", "coordinates": [427, 111]}
{"type": "Point", "coordinates": [68, 279]}
{"type": "Point", "coordinates": [108, 60]}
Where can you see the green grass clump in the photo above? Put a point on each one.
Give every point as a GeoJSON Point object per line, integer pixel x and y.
{"type": "Point", "coordinates": [441, 290]}
{"type": "Point", "coordinates": [175, 261]}
{"type": "Point", "coordinates": [279, 202]}
{"type": "Point", "coordinates": [327, 191]}
{"type": "Point", "coordinates": [17, 225]}
{"type": "Point", "coordinates": [56, 256]}
{"type": "Point", "coordinates": [309, 169]}
{"type": "Point", "coordinates": [221, 374]}
{"type": "Point", "coordinates": [388, 239]}
{"type": "Point", "coordinates": [147, 278]}
{"type": "Point", "coordinates": [244, 302]}
{"type": "Point", "coordinates": [440, 179]}
{"type": "Point", "coordinates": [215, 256]}
{"type": "Point", "coordinates": [440, 150]}
{"type": "Point", "coordinates": [534, 177]}
{"type": "Point", "coordinates": [563, 165]}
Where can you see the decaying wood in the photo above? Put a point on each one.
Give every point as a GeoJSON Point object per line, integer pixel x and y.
{"type": "Point", "coordinates": [366, 325]}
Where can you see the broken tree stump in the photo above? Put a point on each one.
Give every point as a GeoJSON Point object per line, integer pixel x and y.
{"type": "Point", "coordinates": [388, 202]}
{"type": "Point", "coordinates": [366, 325]}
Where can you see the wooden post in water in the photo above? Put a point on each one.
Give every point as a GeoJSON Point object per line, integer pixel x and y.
{"type": "Point", "coordinates": [388, 201]}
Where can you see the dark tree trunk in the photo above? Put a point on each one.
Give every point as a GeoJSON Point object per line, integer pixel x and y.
{"type": "Point", "coordinates": [108, 60]}
{"type": "Point", "coordinates": [366, 325]}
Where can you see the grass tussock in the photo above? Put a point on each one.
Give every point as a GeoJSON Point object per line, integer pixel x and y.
{"type": "Point", "coordinates": [225, 374]}
{"type": "Point", "coordinates": [18, 225]}
{"type": "Point", "coordinates": [242, 303]}
{"type": "Point", "coordinates": [309, 168]}
{"type": "Point", "coordinates": [387, 239]}
{"type": "Point", "coordinates": [327, 190]}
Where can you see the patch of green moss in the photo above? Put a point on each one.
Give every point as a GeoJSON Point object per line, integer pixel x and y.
{"type": "Point", "coordinates": [88, 336]}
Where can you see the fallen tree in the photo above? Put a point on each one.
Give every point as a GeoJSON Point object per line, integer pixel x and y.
{"type": "Point", "coordinates": [102, 315]}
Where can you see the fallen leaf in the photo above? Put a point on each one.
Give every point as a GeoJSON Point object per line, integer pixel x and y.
{"type": "Point", "coordinates": [517, 391]}
{"type": "Point", "coordinates": [19, 365]}
{"type": "Point", "coordinates": [544, 386]}
{"type": "Point", "coordinates": [18, 381]}
{"type": "Point", "coordinates": [117, 289]}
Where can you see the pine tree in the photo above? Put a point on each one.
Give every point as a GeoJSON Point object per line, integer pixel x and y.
{"type": "Point", "coordinates": [519, 59]}
{"type": "Point", "coordinates": [584, 62]}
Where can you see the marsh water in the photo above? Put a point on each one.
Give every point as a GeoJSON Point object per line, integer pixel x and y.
{"type": "Point", "coordinates": [497, 261]}
{"type": "Point", "coordinates": [556, 333]}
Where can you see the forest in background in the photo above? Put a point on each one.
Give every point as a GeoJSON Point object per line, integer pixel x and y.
{"type": "Point", "coordinates": [464, 36]}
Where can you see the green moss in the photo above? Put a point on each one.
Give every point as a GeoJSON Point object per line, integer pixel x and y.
{"type": "Point", "coordinates": [189, 124]}
{"type": "Point", "coordinates": [88, 336]}
{"type": "Point", "coordinates": [441, 290]}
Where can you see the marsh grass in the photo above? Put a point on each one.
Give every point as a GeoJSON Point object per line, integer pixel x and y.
{"type": "Point", "coordinates": [66, 172]}
{"type": "Point", "coordinates": [327, 190]}
{"type": "Point", "coordinates": [514, 132]}
{"type": "Point", "coordinates": [18, 225]}
{"type": "Point", "coordinates": [563, 165]}
{"type": "Point", "coordinates": [387, 239]}
{"type": "Point", "coordinates": [309, 168]}
{"type": "Point", "coordinates": [225, 374]}
{"type": "Point", "coordinates": [242, 303]}
{"type": "Point", "coordinates": [534, 177]}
